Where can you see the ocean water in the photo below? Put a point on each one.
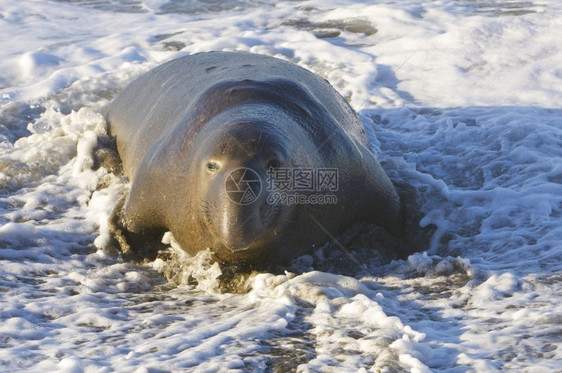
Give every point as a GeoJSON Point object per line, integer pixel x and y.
{"type": "Point", "coordinates": [462, 102]}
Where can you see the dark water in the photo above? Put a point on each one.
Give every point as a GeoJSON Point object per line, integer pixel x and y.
{"type": "Point", "coordinates": [172, 6]}
{"type": "Point", "coordinates": [492, 8]}
{"type": "Point", "coordinates": [125, 6]}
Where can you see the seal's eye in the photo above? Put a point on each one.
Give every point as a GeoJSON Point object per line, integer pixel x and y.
{"type": "Point", "coordinates": [213, 166]}
{"type": "Point", "coordinates": [274, 163]}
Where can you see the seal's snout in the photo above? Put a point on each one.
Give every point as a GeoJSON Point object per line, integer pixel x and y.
{"type": "Point", "coordinates": [242, 218]}
{"type": "Point", "coordinates": [241, 230]}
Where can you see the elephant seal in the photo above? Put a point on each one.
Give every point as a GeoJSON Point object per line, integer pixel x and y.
{"type": "Point", "coordinates": [251, 156]}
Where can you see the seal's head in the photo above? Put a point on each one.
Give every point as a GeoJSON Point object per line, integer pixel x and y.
{"type": "Point", "coordinates": [236, 165]}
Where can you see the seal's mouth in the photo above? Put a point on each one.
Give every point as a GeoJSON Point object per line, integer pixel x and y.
{"type": "Point", "coordinates": [240, 255]}
{"type": "Point", "coordinates": [241, 249]}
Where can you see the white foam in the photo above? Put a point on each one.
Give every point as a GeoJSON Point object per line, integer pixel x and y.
{"type": "Point", "coordinates": [461, 100]}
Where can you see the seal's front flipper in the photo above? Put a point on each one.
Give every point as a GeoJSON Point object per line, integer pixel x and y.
{"type": "Point", "coordinates": [134, 245]}
{"type": "Point", "coordinates": [116, 227]}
